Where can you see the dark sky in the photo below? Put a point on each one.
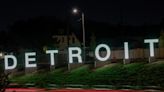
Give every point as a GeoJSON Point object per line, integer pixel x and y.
{"type": "Point", "coordinates": [131, 12]}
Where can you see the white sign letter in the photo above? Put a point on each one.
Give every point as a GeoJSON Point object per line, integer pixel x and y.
{"type": "Point", "coordinates": [6, 61]}
{"type": "Point", "coordinates": [151, 45]}
{"type": "Point", "coordinates": [52, 52]}
{"type": "Point", "coordinates": [107, 50]}
{"type": "Point", "coordinates": [28, 59]}
{"type": "Point", "coordinates": [126, 50]}
{"type": "Point", "coordinates": [71, 55]}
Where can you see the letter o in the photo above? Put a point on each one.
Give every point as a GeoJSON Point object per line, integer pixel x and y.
{"type": "Point", "coordinates": [107, 54]}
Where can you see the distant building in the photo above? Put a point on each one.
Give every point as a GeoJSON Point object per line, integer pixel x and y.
{"type": "Point", "coordinates": [63, 41]}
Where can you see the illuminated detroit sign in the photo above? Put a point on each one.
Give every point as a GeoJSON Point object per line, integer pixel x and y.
{"type": "Point", "coordinates": [31, 56]}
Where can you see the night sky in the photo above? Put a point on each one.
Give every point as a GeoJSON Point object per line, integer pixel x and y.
{"type": "Point", "coordinates": [129, 12]}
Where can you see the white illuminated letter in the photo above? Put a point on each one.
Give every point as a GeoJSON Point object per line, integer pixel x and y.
{"type": "Point", "coordinates": [6, 61]}
{"type": "Point", "coordinates": [151, 45]}
{"type": "Point", "coordinates": [71, 55]}
{"type": "Point", "coordinates": [107, 50]}
{"type": "Point", "coordinates": [28, 59]}
{"type": "Point", "coordinates": [126, 50]}
{"type": "Point", "coordinates": [52, 52]}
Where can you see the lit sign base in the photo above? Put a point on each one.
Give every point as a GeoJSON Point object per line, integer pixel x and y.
{"type": "Point", "coordinates": [152, 59]}
{"type": "Point", "coordinates": [52, 67]}
{"type": "Point", "coordinates": [74, 65]}
{"type": "Point", "coordinates": [12, 72]}
{"type": "Point", "coordinates": [126, 61]}
{"type": "Point", "coordinates": [30, 70]}
{"type": "Point", "coordinates": [98, 64]}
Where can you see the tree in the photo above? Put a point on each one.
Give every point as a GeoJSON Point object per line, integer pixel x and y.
{"type": "Point", "coordinates": [93, 42]}
{"type": "Point", "coordinates": [4, 81]}
{"type": "Point", "coordinates": [161, 39]}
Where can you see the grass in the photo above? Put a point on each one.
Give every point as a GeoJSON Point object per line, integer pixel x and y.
{"type": "Point", "coordinates": [117, 75]}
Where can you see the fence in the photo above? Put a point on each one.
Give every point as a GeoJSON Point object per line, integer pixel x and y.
{"type": "Point", "coordinates": [138, 53]}
{"type": "Point", "coordinates": [61, 59]}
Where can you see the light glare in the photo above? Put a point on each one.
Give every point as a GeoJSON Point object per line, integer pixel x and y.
{"type": "Point", "coordinates": [75, 10]}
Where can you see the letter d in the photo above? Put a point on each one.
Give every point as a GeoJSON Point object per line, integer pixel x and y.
{"type": "Point", "coordinates": [6, 61]}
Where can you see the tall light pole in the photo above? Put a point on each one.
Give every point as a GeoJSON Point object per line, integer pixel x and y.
{"type": "Point", "coordinates": [75, 11]}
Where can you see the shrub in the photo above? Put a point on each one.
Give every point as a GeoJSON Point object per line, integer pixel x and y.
{"type": "Point", "coordinates": [134, 74]}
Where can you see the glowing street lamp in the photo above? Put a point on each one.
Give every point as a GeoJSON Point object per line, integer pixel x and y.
{"type": "Point", "coordinates": [75, 11]}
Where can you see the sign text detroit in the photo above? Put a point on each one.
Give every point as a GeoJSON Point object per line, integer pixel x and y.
{"type": "Point", "coordinates": [30, 56]}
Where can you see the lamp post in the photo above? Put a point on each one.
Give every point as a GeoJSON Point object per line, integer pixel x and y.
{"type": "Point", "coordinates": [75, 11]}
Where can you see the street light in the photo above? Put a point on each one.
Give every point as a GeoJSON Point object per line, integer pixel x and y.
{"type": "Point", "coordinates": [75, 11]}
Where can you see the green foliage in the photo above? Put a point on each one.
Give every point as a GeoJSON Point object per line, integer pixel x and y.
{"type": "Point", "coordinates": [56, 77]}
{"type": "Point", "coordinates": [153, 74]}
{"type": "Point", "coordinates": [78, 76]}
{"type": "Point", "coordinates": [135, 74]}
